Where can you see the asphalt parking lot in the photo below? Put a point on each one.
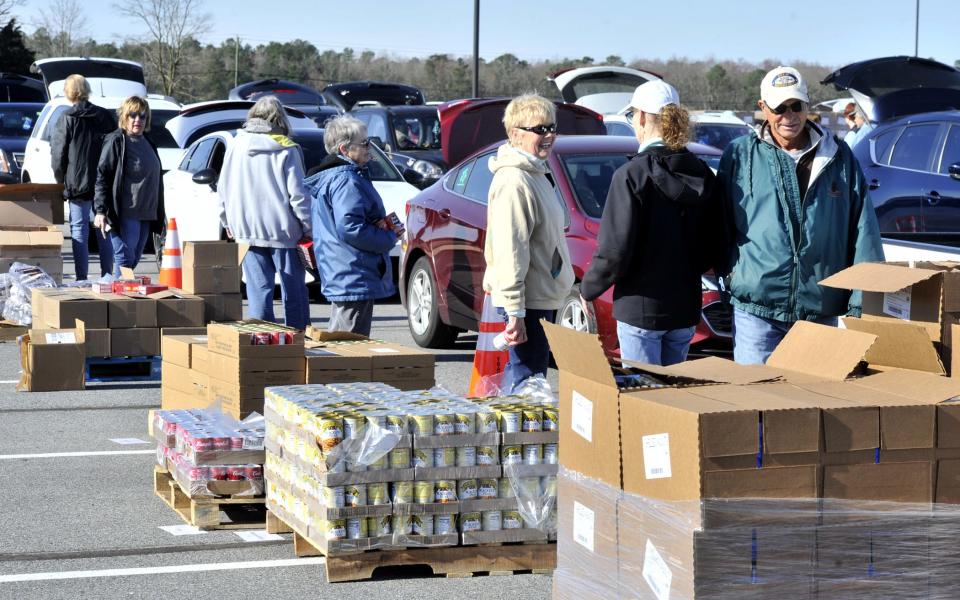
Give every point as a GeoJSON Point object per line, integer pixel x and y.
{"type": "Point", "coordinates": [81, 519]}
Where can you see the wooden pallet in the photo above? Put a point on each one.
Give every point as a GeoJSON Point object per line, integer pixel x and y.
{"type": "Point", "coordinates": [125, 368]}
{"type": "Point", "coordinates": [448, 561]}
{"type": "Point", "coordinates": [210, 513]}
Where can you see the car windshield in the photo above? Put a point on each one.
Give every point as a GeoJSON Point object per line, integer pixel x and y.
{"type": "Point", "coordinates": [17, 122]}
{"type": "Point", "coordinates": [417, 132]}
{"type": "Point", "coordinates": [718, 135]}
{"type": "Point", "coordinates": [158, 133]}
{"type": "Point", "coordinates": [590, 176]}
{"type": "Point", "coordinates": [380, 167]}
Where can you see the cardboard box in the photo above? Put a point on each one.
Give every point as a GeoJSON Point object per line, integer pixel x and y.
{"type": "Point", "coordinates": [222, 307]}
{"type": "Point", "coordinates": [283, 370]}
{"type": "Point", "coordinates": [179, 349]}
{"type": "Point", "coordinates": [97, 343]}
{"type": "Point", "coordinates": [183, 331]}
{"type": "Point", "coordinates": [52, 360]}
{"type": "Point", "coordinates": [176, 308]}
{"type": "Point", "coordinates": [59, 308]}
{"type": "Point", "coordinates": [9, 331]}
{"type": "Point", "coordinates": [225, 339]}
{"type": "Point", "coordinates": [328, 362]}
{"type": "Point", "coordinates": [199, 358]}
{"type": "Point", "coordinates": [44, 243]}
{"type": "Point", "coordinates": [130, 310]}
{"type": "Point", "coordinates": [28, 205]}
{"type": "Point", "coordinates": [173, 399]}
{"type": "Point", "coordinates": [212, 254]}
{"type": "Point", "coordinates": [135, 342]}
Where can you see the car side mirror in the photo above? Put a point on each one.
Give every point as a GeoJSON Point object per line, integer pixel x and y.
{"type": "Point", "coordinates": [412, 177]}
{"type": "Point", "coordinates": [954, 171]}
{"type": "Point", "coordinates": [206, 177]}
{"type": "Point", "coordinates": [376, 141]}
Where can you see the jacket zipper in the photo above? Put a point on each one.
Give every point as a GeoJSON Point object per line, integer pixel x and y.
{"type": "Point", "coordinates": [803, 204]}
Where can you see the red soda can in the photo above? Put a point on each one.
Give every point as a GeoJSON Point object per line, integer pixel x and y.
{"type": "Point", "coordinates": [218, 473]}
{"type": "Point", "coordinates": [236, 473]}
{"type": "Point", "coordinates": [276, 337]}
{"type": "Point", "coordinates": [199, 473]}
{"type": "Point", "coordinates": [236, 442]}
{"type": "Point", "coordinates": [262, 338]}
{"type": "Point", "coordinates": [253, 472]}
{"type": "Point", "coordinates": [221, 443]}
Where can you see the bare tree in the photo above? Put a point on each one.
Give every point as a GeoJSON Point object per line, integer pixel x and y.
{"type": "Point", "coordinates": [65, 25]}
{"type": "Point", "coordinates": [171, 26]}
{"type": "Point", "coordinates": [6, 7]}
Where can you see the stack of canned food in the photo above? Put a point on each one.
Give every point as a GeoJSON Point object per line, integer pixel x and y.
{"type": "Point", "coordinates": [263, 334]}
{"type": "Point", "coordinates": [209, 453]}
{"type": "Point", "coordinates": [363, 465]}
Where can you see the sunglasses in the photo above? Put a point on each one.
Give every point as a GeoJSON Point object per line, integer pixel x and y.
{"type": "Point", "coordinates": [541, 129]}
{"type": "Point", "coordinates": [363, 143]}
{"type": "Point", "coordinates": [797, 107]}
{"type": "Point", "coordinates": [135, 115]}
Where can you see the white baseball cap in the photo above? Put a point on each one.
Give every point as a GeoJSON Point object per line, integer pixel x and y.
{"type": "Point", "coordinates": [652, 96]}
{"type": "Point", "coordinates": [782, 84]}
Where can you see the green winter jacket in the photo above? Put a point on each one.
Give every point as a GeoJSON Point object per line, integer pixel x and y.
{"type": "Point", "coordinates": [773, 272]}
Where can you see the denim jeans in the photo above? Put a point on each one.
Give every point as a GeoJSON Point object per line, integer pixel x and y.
{"type": "Point", "coordinates": [754, 338]}
{"type": "Point", "coordinates": [260, 267]}
{"type": "Point", "coordinates": [81, 214]}
{"type": "Point", "coordinates": [654, 346]}
{"type": "Point", "coordinates": [128, 244]}
{"type": "Point", "coordinates": [531, 357]}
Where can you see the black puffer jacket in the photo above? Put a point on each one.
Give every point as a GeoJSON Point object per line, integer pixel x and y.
{"type": "Point", "coordinates": [106, 200]}
{"type": "Point", "coordinates": [75, 147]}
{"type": "Point", "coordinates": [656, 239]}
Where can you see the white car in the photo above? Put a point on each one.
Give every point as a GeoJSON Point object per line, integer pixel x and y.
{"type": "Point", "coordinates": [190, 188]}
{"type": "Point", "coordinates": [711, 128]}
{"type": "Point", "coordinates": [603, 89]}
{"type": "Point", "coordinates": [111, 81]}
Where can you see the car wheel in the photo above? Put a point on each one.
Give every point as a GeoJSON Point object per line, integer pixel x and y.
{"type": "Point", "coordinates": [423, 311]}
{"type": "Point", "coordinates": [572, 316]}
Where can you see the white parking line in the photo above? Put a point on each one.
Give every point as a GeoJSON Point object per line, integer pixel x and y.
{"type": "Point", "coordinates": [10, 381]}
{"type": "Point", "coordinates": [231, 566]}
{"type": "Point", "coordinates": [75, 454]}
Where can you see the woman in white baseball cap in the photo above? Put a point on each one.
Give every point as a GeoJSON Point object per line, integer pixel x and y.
{"type": "Point", "coordinates": [656, 235]}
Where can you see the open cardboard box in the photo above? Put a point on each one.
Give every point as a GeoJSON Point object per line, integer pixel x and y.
{"type": "Point", "coordinates": [52, 360]}
{"type": "Point", "coordinates": [28, 205]}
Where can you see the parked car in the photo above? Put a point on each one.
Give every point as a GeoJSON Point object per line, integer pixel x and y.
{"type": "Point", "coordinates": [443, 264]}
{"type": "Point", "coordinates": [604, 89]}
{"type": "Point", "coordinates": [710, 128]}
{"type": "Point", "coordinates": [20, 88]}
{"type": "Point", "coordinates": [346, 95]}
{"type": "Point", "coordinates": [17, 120]}
{"type": "Point", "coordinates": [194, 121]}
{"type": "Point", "coordinates": [295, 95]}
{"type": "Point", "coordinates": [190, 188]}
{"type": "Point", "coordinates": [911, 159]}
{"type": "Point", "coordinates": [410, 137]}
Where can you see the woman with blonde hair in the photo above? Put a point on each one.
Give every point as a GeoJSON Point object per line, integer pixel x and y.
{"type": "Point", "coordinates": [656, 234]}
{"type": "Point", "coordinates": [528, 265]}
{"type": "Point", "coordinates": [129, 192]}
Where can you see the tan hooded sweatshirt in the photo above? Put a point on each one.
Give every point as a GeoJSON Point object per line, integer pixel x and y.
{"type": "Point", "coordinates": [528, 264]}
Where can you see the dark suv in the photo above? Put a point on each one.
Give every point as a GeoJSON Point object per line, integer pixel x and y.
{"type": "Point", "coordinates": [18, 88]}
{"type": "Point", "coordinates": [17, 120]}
{"type": "Point", "coordinates": [410, 135]}
{"type": "Point", "coordinates": [911, 158]}
{"type": "Point", "coordinates": [295, 95]}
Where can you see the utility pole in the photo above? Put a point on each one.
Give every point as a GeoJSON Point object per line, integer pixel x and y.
{"type": "Point", "coordinates": [476, 48]}
{"type": "Point", "coordinates": [916, 32]}
{"type": "Point", "coordinates": [236, 62]}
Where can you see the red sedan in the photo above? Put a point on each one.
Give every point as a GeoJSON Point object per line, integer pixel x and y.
{"type": "Point", "coordinates": [442, 262]}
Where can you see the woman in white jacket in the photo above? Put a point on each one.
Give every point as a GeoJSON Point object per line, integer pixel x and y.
{"type": "Point", "coordinates": [263, 203]}
{"type": "Point", "coordinates": [528, 265]}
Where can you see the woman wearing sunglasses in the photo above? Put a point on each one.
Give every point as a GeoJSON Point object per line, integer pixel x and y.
{"type": "Point", "coordinates": [128, 198]}
{"type": "Point", "coordinates": [655, 239]}
{"type": "Point", "coordinates": [528, 265]}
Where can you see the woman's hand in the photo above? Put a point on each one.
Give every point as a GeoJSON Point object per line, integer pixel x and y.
{"type": "Point", "coordinates": [516, 331]}
{"type": "Point", "coordinates": [100, 222]}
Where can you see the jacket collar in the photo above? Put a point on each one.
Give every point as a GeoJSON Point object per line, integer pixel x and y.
{"type": "Point", "coordinates": [825, 147]}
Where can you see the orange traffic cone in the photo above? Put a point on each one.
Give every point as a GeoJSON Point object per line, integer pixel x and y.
{"type": "Point", "coordinates": [171, 270]}
{"type": "Point", "coordinates": [488, 362]}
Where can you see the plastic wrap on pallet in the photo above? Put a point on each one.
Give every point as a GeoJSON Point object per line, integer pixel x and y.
{"type": "Point", "coordinates": [216, 480]}
{"type": "Point", "coordinates": [23, 278]}
{"type": "Point", "coordinates": [750, 548]}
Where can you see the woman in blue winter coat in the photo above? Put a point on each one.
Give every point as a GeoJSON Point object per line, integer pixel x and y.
{"type": "Point", "coordinates": [352, 238]}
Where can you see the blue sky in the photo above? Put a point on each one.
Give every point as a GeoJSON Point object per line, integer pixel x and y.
{"type": "Point", "coordinates": [831, 33]}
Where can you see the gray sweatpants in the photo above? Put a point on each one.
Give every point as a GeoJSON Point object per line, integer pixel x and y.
{"type": "Point", "coordinates": [355, 317]}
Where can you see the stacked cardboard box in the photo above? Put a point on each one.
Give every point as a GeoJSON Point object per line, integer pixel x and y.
{"type": "Point", "coordinates": [184, 379]}
{"type": "Point", "coordinates": [52, 360]}
{"type": "Point", "coordinates": [344, 357]}
{"type": "Point", "coordinates": [363, 466]}
{"type": "Point", "coordinates": [677, 461]}
{"type": "Point", "coordinates": [244, 357]}
{"type": "Point", "coordinates": [39, 248]}
{"type": "Point", "coordinates": [211, 270]}
{"type": "Point", "coordinates": [29, 214]}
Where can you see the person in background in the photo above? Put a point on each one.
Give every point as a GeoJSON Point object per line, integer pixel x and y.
{"type": "Point", "coordinates": [353, 235]}
{"type": "Point", "coordinates": [529, 273]}
{"type": "Point", "coordinates": [74, 151]}
{"type": "Point", "coordinates": [798, 211]}
{"type": "Point", "coordinates": [860, 127]}
{"type": "Point", "coordinates": [655, 234]}
{"type": "Point", "coordinates": [263, 203]}
{"type": "Point", "coordinates": [128, 200]}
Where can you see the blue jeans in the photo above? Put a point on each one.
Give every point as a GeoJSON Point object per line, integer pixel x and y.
{"type": "Point", "coordinates": [531, 357]}
{"type": "Point", "coordinates": [754, 338]}
{"type": "Point", "coordinates": [260, 267]}
{"type": "Point", "coordinates": [81, 214]}
{"type": "Point", "coordinates": [654, 346]}
{"type": "Point", "coordinates": [128, 244]}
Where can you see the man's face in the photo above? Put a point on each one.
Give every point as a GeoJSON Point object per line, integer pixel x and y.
{"type": "Point", "coordinates": [788, 125]}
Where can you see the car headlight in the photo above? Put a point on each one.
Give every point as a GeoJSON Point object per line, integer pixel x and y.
{"type": "Point", "coordinates": [6, 163]}
{"type": "Point", "coordinates": [427, 169]}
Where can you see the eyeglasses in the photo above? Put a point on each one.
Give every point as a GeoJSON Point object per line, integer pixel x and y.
{"type": "Point", "coordinates": [541, 129]}
{"type": "Point", "coordinates": [629, 114]}
{"type": "Point", "coordinates": [797, 107]}
{"type": "Point", "coordinates": [134, 115]}
{"type": "Point", "coordinates": [363, 143]}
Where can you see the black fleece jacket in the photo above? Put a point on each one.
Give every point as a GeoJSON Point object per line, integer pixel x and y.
{"type": "Point", "coordinates": [75, 147]}
{"type": "Point", "coordinates": [106, 199]}
{"type": "Point", "coordinates": [656, 239]}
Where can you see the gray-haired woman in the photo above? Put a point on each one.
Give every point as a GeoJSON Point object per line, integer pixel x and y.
{"type": "Point", "coordinates": [263, 203]}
